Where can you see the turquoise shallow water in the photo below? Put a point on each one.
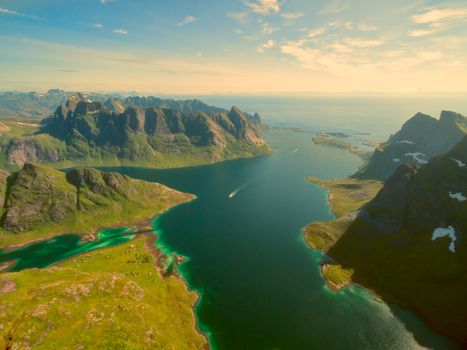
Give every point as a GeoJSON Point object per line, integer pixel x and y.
{"type": "Point", "coordinates": [46, 253]}
{"type": "Point", "coordinates": [260, 285]}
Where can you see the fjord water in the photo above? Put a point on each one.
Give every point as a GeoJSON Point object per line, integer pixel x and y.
{"type": "Point", "coordinates": [48, 252]}
{"type": "Point", "coordinates": [260, 285]}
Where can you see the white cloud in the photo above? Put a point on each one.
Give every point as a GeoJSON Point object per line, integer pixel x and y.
{"type": "Point", "coordinates": [435, 20]}
{"type": "Point", "coordinates": [348, 24]}
{"type": "Point", "coordinates": [241, 17]}
{"type": "Point", "coordinates": [334, 6]}
{"type": "Point", "coordinates": [9, 12]}
{"type": "Point", "coordinates": [268, 29]}
{"type": "Point", "coordinates": [440, 14]}
{"type": "Point", "coordinates": [264, 7]}
{"type": "Point", "coordinates": [416, 33]}
{"type": "Point", "coordinates": [316, 32]}
{"type": "Point", "coordinates": [6, 11]}
{"type": "Point", "coordinates": [362, 43]}
{"type": "Point", "coordinates": [365, 27]}
{"type": "Point", "coordinates": [105, 2]}
{"type": "Point", "coordinates": [98, 26]}
{"type": "Point", "coordinates": [292, 15]}
{"type": "Point", "coordinates": [267, 45]}
{"type": "Point", "coordinates": [120, 31]}
{"type": "Point", "coordinates": [188, 20]}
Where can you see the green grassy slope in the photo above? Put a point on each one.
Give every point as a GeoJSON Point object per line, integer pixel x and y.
{"type": "Point", "coordinates": [108, 299]}
{"type": "Point", "coordinates": [41, 202]}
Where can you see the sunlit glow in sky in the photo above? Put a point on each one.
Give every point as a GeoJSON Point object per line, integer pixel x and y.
{"type": "Point", "coordinates": [235, 46]}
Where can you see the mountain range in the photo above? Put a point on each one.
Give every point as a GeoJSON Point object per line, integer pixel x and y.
{"type": "Point", "coordinates": [83, 131]}
{"type": "Point", "coordinates": [40, 105]}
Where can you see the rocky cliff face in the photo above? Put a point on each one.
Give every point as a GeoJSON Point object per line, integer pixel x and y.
{"type": "Point", "coordinates": [419, 198]}
{"type": "Point", "coordinates": [420, 138]}
{"type": "Point", "coordinates": [410, 242]}
{"type": "Point", "coordinates": [37, 195]}
{"type": "Point", "coordinates": [83, 129]}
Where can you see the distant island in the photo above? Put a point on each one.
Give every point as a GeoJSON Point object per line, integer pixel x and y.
{"type": "Point", "coordinates": [405, 238]}
{"type": "Point", "coordinates": [329, 139]}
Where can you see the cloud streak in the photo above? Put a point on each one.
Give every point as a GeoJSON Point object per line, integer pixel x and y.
{"type": "Point", "coordinates": [120, 31]}
{"type": "Point", "coordinates": [187, 20]}
{"type": "Point", "coordinates": [6, 11]}
{"type": "Point", "coordinates": [440, 15]}
{"type": "Point", "coordinates": [334, 6]}
{"type": "Point", "coordinates": [267, 45]}
{"type": "Point", "coordinates": [264, 7]}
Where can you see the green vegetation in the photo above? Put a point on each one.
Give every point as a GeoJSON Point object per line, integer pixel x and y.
{"type": "Point", "coordinates": [346, 197]}
{"type": "Point", "coordinates": [41, 202]}
{"type": "Point", "coordinates": [12, 128]}
{"type": "Point", "coordinates": [326, 140]}
{"type": "Point", "coordinates": [336, 276]}
{"type": "Point", "coordinates": [107, 299]}
{"type": "Point", "coordinates": [389, 248]}
{"type": "Point", "coordinates": [93, 134]}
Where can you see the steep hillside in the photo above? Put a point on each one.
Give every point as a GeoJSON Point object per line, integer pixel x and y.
{"type": "Point", "coordinates": [39, 202]}
{"type": "Point", "coordinates": [420, 138]}
{"type": "Point", "coordinates": [409, 243]}
{"type": "Point", "coordinates": [86, 132]}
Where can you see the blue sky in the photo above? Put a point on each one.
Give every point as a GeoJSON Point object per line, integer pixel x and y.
{"type": "Point", "coordinates": [236, 46]}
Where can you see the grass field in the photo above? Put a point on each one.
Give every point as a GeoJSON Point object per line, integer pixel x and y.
{"type": "Point", "coordinates": [107, 299]}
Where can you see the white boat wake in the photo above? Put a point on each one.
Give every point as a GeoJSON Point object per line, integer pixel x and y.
{"type": "Point", "coordinates": [238, 189]}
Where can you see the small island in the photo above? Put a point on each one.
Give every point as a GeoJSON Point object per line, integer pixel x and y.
{"type": "Point", "coordinates": [330, 140]}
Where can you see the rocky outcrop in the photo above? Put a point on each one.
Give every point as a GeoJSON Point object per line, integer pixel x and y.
{"type": "Point", "coordinates": [36, 195]}
{"type": "Point", "coordinates": [420, 138]}
{"type": "Point", "coordinates": [419, 199]}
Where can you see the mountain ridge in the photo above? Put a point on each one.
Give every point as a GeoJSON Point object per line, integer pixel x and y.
{"type": "Point", "coordinates": [409, 243]}
{"type": "Point", "coordinates": [89, 131]}
{"type": "Point", "coordinates": [34, 105]}
{"type": "Point", "coordinates": [419, 139]}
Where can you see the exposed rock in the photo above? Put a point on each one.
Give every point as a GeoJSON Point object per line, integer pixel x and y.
{"type": "Point", "coordinates": [81, 129]}
{"type": "Point", "coordinates": [420, 138]}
